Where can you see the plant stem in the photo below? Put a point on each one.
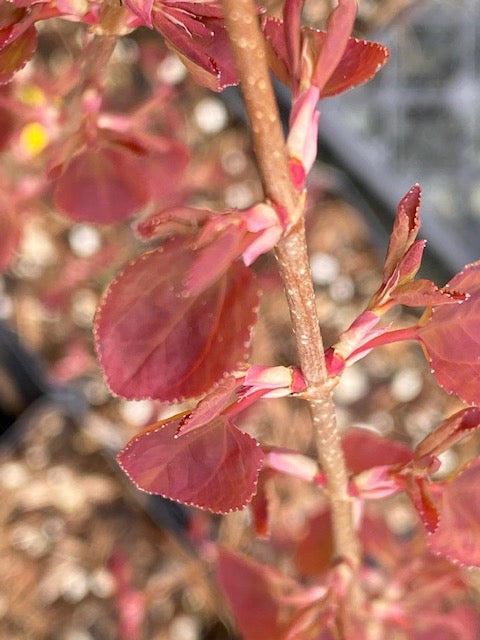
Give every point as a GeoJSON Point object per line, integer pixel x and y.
{"type": "Point", "coordinates": [269, 144]}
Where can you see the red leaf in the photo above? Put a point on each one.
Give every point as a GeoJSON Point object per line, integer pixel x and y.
{"type": "Point", "coordinates": [405, 230]}
{"type": "Point", "coordinates": [7, 127]}
{"type": "Point", "coordinates": [314, 553]}
{"type": "Point", "coordinates": [418, 490]}
{"type": "Point", "coordinates": [14, 56]}
{"type": "Point", "coordinates": [155, 342]}
{"type": "Point", "coordinates": [164, 169]}
{"type": "Point", "coordinates": [215, 467]}
{"type": "Point", "coordinates": [278, 54]}
{"type": "Point", "coordinates": [425, 293]}
{"type": "Point", "coordinates": [339, 28]}
{"type": "Point", "coordinates": [452, 340]}
{"type": "Point", "coordinates": [196, 31]}
{"type": "Point", "coordinates": [292, 11]}
{"type": "Point", "coordinates": [253, 591]}
{"type": "Point", "coordinates": [102, 186]}
{"type": "Point", "coordinates": [364, 450]}
{"type": "Point", "coordinates": [227, 241]}
{"type": "Point", "coordinates": [259, 507]}
{"type": "Point", "coordinates": [448, 433]}
{"type": "Point", "coordinates": [163, 222]}
{"type": "Point", "coordinates": [142, 8]}
{"type": "Point", "coordinates": [359, 63]}
{"type": "Point", "coordinates": [457, 536]}
{"type": "Point", "coordinates": [291, 463]}
{"type": "Point", "coordinates": [210, 406]}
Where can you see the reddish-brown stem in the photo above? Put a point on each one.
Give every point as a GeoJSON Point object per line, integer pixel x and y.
{"type": "Point", "coordinates": [269, 144]}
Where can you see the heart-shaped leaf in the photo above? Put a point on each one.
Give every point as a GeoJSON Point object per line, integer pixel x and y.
{"type": "Point", "coordinates": [154, 341]}
{"type": "Point", "coordinates": [214, 467]}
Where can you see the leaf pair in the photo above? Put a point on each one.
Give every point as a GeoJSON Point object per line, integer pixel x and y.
{"type": "Point", "coordinates": [156, 340]}
{"type": "Point", "coordinates": [330, 60]}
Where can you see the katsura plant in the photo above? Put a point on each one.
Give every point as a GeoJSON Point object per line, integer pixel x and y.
{"type": "Point", "coordinates": [176, 322]}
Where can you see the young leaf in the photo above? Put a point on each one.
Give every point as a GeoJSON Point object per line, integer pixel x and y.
{"type": "Point", "coordinates": [405, 230]}
{"type": "Point", "coordinates": [448, 433]}
{"type": "Point", "coordinates": [418, 490]}
{"type": "Point", "coordinates": [424, 293]}
{"type": "Point", "coordinates": [339, 28]}
{"type": "Point", "coordinates": [155, 342]}
{"type": "Point", "coordinates": [360, 62]}
{"type": "Point", "coordinates": [451, 338]}
{"type": "Point", "coordinates": [457, 536]}
{"type": "Point", "coordinates": [214, 467]}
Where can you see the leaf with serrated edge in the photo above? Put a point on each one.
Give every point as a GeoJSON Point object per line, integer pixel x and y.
{"type": "Point", "coordinates": [214, 467]}
{"type": "Point", "coordinates": [449, 432]}
{"type": "Point", "coordinates": [154, 342]}
{"type": "Point", "coordinates": [360, 62]}
{"type": "Point", "coordinates": [457, 536]}
{"type": "Point", "coordinates": [451, 338]}
{"type": "Point", "coordinates": [405, 230]}
{"type": "Point", "coordinates": [424, 293]}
